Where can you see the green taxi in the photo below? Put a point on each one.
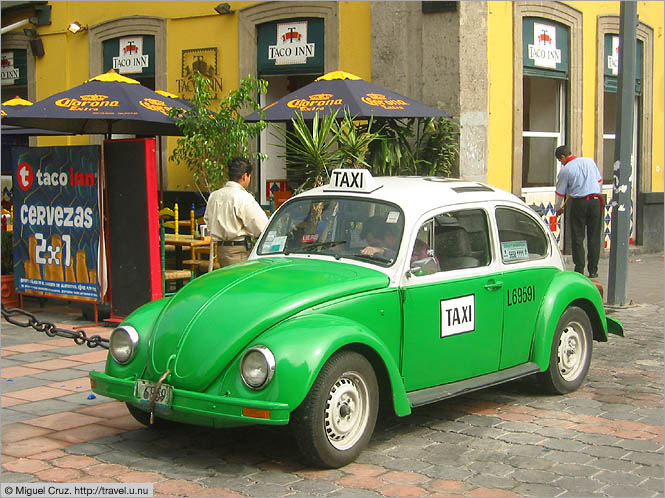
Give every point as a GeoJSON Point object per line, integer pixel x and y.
{"type": "Point", "coordinates": [399, 290]}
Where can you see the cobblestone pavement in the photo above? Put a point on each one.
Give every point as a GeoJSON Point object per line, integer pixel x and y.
{"type": "Point", "coordinates": [606, 439]}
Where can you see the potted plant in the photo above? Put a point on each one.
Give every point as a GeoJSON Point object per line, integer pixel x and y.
{"type": "Point", "coordinates": [9, 296]}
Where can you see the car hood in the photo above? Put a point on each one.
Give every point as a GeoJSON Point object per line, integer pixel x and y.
{"type": "Point", "coordinates": [209, 321]}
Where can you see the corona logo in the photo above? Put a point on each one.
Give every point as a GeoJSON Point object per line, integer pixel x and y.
{"type": "Point", "coordinates": [94, 98]}
{"type": "Point", "coordinates": [155, 105]}
{"type": "Point", "coordinates": [86, 102]}
{"type": "Point", "coordinates": [3, 113]}
{"type": "Point", "coordinates": [317, 102]}
{"type": "Point", "coordinates": [379, 100]}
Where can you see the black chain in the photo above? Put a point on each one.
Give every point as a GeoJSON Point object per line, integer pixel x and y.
{"type": "Point", "coordinates": [79, 337]}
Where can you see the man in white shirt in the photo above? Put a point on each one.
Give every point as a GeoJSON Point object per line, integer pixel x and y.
{"type": "Point", "coordinates": [233, 215]}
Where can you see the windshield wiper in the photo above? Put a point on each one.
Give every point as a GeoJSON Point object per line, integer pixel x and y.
{"type": "Point", "coordinates": [308, 248]}
{"type": "Point", "coordinates": [372, 259]}
{"type": "Point", "coordinates": [318, 245]}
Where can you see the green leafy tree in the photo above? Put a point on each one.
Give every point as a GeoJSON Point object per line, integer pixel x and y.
{"type": "Point", "coordinates": [212, 138]}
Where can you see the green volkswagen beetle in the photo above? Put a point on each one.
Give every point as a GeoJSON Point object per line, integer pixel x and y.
{"type": "Point", "coordinates": [410, 289]}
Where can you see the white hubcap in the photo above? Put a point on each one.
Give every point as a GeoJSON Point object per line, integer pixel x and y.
{"type": "Point", "coordinates": [347, 411]}
{"type": "Point", "coordinates": [571, 351]}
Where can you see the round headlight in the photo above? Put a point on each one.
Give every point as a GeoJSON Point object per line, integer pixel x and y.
{"type": "Point", "coordinates": [257, 367]}
{"type": "Point", "coordinates": [122, 344]}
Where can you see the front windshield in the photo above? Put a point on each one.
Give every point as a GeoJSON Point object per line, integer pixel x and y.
{"type": "Point", "coordinates": [339, 227]}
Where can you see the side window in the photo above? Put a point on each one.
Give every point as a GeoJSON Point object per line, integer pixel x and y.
{"type": "Point", "coordinates": [423, 260]}
{"type": "Point", "coordinates": [461, 239]}
{"type": "Point", "coordinates": [521, 237]}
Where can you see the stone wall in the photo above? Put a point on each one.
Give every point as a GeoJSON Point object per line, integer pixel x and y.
{"type": "Point", "coordinates": [650, 221]}
{"type": "Point", "coordinates": [439, 58]}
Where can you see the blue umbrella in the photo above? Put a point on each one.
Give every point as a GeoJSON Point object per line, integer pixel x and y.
{"type": "Point", "coordinates": [337, 91]}
{"type": "Point", "coordinates": [10, 106]}
{"type": "Point", "coordinates": [108, 103]}
{"type": "Point", "coordinates": [17, 130]}
{"type": "Point", "coordinates": [15, 135]}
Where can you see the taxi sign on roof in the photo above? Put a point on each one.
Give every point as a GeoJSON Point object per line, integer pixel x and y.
{"type": "Point", "coordinates": [352, 180]}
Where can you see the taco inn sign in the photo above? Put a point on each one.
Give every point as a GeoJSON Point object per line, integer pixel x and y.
{"type": "Point", "coordinates": [291, 46]}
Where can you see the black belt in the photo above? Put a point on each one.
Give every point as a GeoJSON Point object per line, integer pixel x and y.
{"type": "Point", "coordinates": [232, 242]}
{"type": "Point", "coordinates": [594, 196]}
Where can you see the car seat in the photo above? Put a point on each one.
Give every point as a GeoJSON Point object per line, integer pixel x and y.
{"type": "Point", "coordinates": [453, 249]}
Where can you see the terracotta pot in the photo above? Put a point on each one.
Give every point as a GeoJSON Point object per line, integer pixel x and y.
{"type": "Point", "coordinates": [9, 295]}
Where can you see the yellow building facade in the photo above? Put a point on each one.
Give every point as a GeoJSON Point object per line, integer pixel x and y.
{"type": "Point", "coordinates": [582, 101]}
{"type": "Point", "coordinates": [470, 59]}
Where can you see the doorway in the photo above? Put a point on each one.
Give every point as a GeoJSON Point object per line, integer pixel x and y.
{"type": "Point", "coordinates": [273, 171]}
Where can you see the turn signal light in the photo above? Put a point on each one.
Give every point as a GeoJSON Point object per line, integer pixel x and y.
{"type": "Point", "coordinates": [255, 413]}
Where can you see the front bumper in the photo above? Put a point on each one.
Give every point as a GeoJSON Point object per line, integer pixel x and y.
{"type": "Point", "coordinates": [194, 407]}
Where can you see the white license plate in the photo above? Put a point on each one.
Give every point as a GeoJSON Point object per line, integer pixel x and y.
{"type": "Point", "coordinates": [144, 390]}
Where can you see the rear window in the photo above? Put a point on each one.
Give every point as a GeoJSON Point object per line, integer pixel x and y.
{"type": "Point", "coordinates": [521, 237]}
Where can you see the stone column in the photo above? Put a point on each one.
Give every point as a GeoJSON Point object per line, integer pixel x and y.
{"type": "Point", "coordinates": [397, 47]}
{"type": "Point", "coordinates": [473, 95]}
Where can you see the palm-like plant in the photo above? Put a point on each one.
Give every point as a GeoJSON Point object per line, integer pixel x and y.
{"type": "Point", "coordinates": [426, 147]}
{"type": "Point", "coordinates": [354, 140]}
{"type": "Point", "coordinates": [388, 147]}
{"type": "Point", "coordinates": [310, 151]}
{"type": "Point", "coordinates": [438, 147]}
{"type": "Point", "coordinates": [392, 155]}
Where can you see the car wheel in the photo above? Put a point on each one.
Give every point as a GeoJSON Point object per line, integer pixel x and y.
{"type": "Point", "coordinates": [571, 352]}
{"type": "Point", "coordinates": [143, 417]}
{"type": "Point", "coordinates": [336, 419]}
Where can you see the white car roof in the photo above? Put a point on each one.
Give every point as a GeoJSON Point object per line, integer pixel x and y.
{"type": "Point", "coordinates": [417, 194]}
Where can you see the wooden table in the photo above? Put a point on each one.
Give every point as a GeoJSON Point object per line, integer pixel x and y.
{"type": "Point", "coordinates": [183, 240]}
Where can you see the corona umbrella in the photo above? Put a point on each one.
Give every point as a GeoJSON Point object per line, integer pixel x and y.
{"type": "Point", "coordinates": [174, 97]}
{"type": "Point", "coordinates": [16, 102]}
{"type": "Point", "coordinates": [10, 106]}
{"type": "Point", "coordinates": [339, 91]}
{"type": "Point", "coordinates": [108, 103]}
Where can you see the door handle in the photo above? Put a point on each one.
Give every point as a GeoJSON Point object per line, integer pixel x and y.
{"type": "Point", "coordinates": [493, 285]}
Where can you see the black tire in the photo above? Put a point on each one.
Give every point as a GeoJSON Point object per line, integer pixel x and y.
{"type": "Point", "coordinates": [143, 417]}
{"type": "Point", "coordinates": [336, 420]}
{"type": "Point", "coordinates": [570, 355]}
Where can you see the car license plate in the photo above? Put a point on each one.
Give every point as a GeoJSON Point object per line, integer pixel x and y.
{"type": "Point", "coordinates": [145, 389]}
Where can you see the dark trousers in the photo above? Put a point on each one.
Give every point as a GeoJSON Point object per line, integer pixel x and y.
{"type": "Point", "coordinates": [586, 217]}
